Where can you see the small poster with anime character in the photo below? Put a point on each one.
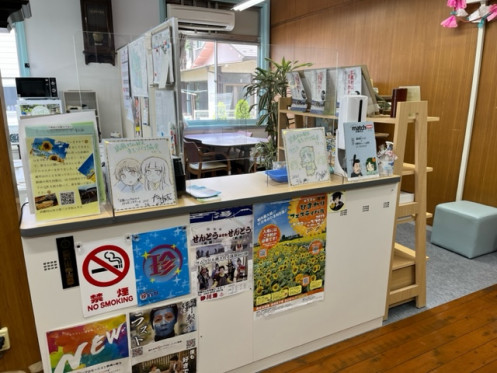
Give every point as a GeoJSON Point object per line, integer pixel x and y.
{"type": "Point", "coordinates": [306, 155]}
{"type": "Point", "coordinates": [161, 264]}
{"type": "Point", "coordinates": [140, 173]}
{"type": "Point", "coordinates": [222, 241]}
{"type": "Point", "coordinates": [360, 150]}
{"type": "Point", "coordinates": [289, 254]}
{"type": "Point", "coordinates": [165, 328]}
{"type": "Point", "coordinates": [98, 346]}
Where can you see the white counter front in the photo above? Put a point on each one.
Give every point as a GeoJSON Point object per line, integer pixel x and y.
{"type": "Point", "coordinates": [230, 338]}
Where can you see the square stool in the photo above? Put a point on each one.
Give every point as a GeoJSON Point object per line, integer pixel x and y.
{"type": "Point", "coordinates": [465, 227]}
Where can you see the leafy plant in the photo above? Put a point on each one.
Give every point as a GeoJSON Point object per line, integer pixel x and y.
{"type": "Point", "coordinates": [268, 85]}
{"type": "Point", "coordinates": [221, 110]}
{"type": "Point", "coordinates": [242, 109]}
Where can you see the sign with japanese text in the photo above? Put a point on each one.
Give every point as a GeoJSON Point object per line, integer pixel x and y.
{"type": "Point", "coordinates": [106, 275]}
{"type": "Point", "coordinates": [222, 241]}
{"type": "Point", "coordinates": [290, 253]}
{"type": "Point", "coordinates": [163, 329]}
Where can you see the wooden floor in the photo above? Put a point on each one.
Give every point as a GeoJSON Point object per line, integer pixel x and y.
{"type": "Point", "coordinates": [459, 336]}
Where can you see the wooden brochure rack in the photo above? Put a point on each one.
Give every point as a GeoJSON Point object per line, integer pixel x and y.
{"type": "Point", "coordinates": [407, 279]}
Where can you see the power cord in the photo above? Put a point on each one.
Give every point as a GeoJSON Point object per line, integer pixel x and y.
{"type": "Point", "coordinates": [22, 208]}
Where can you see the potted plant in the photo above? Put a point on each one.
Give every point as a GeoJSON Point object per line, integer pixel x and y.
{"type": "Point", "coordinates": [268, 85]}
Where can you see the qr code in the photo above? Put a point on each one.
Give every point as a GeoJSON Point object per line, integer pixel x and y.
{"type": "Point", "coordinates": [137, 351]}
{"type": "Point", "coordinates": [190, 343]}
{"type": "Point", "coordinates": [67, 198]}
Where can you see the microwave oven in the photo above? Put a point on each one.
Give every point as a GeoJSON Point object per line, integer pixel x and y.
{"type": "Point", "coordinates": [36, 87]}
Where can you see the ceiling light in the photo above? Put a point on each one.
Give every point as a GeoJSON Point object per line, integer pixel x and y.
{"type": "Point", "coordinates": [246, 4]}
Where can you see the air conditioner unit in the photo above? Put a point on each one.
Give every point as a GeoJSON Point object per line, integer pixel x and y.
{"type": "Point", "coordinates": [202, 19]}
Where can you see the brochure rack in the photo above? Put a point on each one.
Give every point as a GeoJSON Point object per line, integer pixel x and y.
{"type": "Point", "coordinates": [407, 278]}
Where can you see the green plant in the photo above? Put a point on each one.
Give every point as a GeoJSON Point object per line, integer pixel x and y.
{"type": "Point", "coordinates": [221, 110]}
{"type": "Point", "coordinates": [242, 109]}
{"type": "Point", "coordinates": [268, 85]}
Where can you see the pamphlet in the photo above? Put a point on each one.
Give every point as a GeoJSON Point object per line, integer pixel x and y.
{"type": "Point", "coordinates": [201, 192]}
{"type": "Point", "coordinates": [360, 150]}
{"type": "Point", "coordinates": [298, 91]}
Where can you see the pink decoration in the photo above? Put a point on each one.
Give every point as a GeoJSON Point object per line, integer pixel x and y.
{"type": "Point", "coordinates": [450, 22]}
{"type": "Point", "coordinates": [457, 4]}
{"type": "Point", "coordinates": [492, 11]}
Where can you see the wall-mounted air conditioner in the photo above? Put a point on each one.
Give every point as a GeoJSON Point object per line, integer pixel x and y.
{"type": "Point", "coordinates": [202, 19]}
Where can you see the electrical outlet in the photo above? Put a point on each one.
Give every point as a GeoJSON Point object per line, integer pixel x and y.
{"type": "Point", "coordinates": [4, 333]}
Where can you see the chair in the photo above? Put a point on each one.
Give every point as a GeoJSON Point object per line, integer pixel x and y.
{"type": "Point", "coordinates": [199, 162]}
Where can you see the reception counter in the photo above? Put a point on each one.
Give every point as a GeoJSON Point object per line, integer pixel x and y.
{"type": "Point", "coordinates": [230, 338]}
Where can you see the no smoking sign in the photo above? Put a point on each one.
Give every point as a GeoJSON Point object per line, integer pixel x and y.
{"type": "Point", "coordinates": [107, 279]}
{"type": "Point", "coordinates": [106, 266]}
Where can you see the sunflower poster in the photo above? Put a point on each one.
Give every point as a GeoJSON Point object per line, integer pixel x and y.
{"type": "Point", "coordinates": [289, 253]}
{"type": "Point", "coordinates": [63, 181]}
{"type": "Point", "coordinates": [61, 163]}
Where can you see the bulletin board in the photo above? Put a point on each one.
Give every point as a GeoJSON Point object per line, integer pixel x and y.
{"type": "Point", "coordinates": [151, 85]}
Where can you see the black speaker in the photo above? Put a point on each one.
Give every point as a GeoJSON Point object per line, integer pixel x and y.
{"type": "Point", "coordinates": [179, 175]}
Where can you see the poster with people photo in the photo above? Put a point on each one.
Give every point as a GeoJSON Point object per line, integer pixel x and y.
{"type": "Point", "coordinates": [166, 328]}
{"type": "Point", "coordinates": [222, 241]}
{"type": "Point", "coordinates": [290, 253]}
{"type": "Point", "coordinates": [180, 362]}
{"type": "Point", "coordinates": [140, 173]}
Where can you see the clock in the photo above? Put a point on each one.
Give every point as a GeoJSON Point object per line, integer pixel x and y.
{"type": "Point", "coordinates": [98, 32]}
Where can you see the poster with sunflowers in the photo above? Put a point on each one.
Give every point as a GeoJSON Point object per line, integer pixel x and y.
{"type": "Point", "coordinates": [62, 166]}
{"type": "Point", "coordinates": [289, 253]}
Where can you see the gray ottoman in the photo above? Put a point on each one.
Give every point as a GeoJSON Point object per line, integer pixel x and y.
{"type": "Point", "coordinates": [465, 227]}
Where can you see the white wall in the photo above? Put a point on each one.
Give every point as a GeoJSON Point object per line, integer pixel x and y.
{"type": "Point", "coordinates": [55, 45]}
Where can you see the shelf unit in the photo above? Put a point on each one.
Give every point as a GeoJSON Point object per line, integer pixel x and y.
{"type": "Point", "coordinates": [407, 277]}
{"type": "Point", "coordinates": [301, 120]}
{"type": "Point", "coordinates": [76, 100]}
{"type": "Point", "coordinates": [408, 267]}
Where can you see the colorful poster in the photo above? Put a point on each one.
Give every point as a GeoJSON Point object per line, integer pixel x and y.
{"type": "Point", "coordinates": [290, 253]}
{"type": "Point", "coordinates": [163, 329]}
{"type": "Point", "coordinates": [107, 279]}
{"type": "Point", "coordinates": [180, 362]}
{"type": "Point", "coordinates": [161, 265]}
{"type": "Point", "coordinates": [51, 127]}
{"type": "Point", "coordinates": [306, 155]}
{"type": "Point", "coordinates": [222, 241]}
{"type": "Point", "coordinates": [99, 346]}
{"type": "Point", "coordinates": [140, 173]}
{"type": "Point", "coordinates": [62, 173]}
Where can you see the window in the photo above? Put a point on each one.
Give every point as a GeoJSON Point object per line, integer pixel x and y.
{"type": "Point", "coordinates": [9, 67]}
{"type": "Point", "coordinates": [213, 76]}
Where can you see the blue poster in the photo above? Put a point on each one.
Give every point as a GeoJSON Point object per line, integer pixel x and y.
{"type": "Point", "coordinates": [161, 265]}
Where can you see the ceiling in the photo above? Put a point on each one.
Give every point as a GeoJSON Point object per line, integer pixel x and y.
{"type": "Point", "coordinates": [13, 11]}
